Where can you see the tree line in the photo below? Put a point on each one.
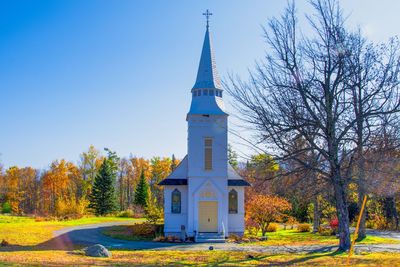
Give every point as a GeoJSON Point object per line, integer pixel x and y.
{"type": "Point", "coordinates": [68, 189]}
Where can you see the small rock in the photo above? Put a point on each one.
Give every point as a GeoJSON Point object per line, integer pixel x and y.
{"type": "Point", "coordinates": [97, 251]}
{"type": "Point", "coordinates": [211, 248]}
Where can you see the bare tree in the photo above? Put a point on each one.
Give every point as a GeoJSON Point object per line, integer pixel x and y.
{"type": "Point", "coordinates": [302, 89]}
{"type": "Point", "coordinates": [373, 81]}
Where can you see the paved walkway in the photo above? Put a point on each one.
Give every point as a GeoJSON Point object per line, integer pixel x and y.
{"type": "Point", "coordinates": [92, 234]}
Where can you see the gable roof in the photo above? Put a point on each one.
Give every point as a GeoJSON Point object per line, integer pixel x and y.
{"type": "Point", "coordinates": [179, 176]}
{"type": "Point", "coordinates": [180, 171]}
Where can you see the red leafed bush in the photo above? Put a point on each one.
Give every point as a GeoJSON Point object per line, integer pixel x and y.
{"type": "Point", "coordinates": [334, 223]}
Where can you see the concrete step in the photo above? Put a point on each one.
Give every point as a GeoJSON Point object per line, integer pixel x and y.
{"type": "Point", "coordinates": [210, 238]}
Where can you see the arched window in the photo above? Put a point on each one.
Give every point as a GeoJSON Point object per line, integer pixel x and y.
{"type": "Point", "coordinates": [233, 202]}
{"type": "Point", "coordinates": [176, 201]}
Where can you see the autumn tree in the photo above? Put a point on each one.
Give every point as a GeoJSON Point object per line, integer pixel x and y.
{"type": "Point", "coordinates": [125, 184]}
{"type": "Point", "coordinates": [13, 194]}
{"type": "Point", "coordinates": [102, 198]}
{"type": "Point", "coordinates": [142, 191]}
{"type": "Point", "coordinates": [160, 169]}
{"type": "Point", "coordinates": [89, 165]}
{"type": "Point", "coordinates": [260, 170]}
{"type": "Point", "coordinates": [30, 187]}
{"type": "Point", "coordinates": [153, 211]}
{"type": "Point", "coordinates": [59, 185]}
{"type": "Point", "coordinates": [265, 209]}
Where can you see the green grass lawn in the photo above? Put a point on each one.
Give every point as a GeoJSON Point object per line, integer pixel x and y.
{"type": "Point", "coordinates": [194, 258]}
{"type": "Point", "coordinates": [278, 238]}
{"type": "Point", "coordinates": [25, 231]}
{"type": "Point", "coordinates": [293, 238]}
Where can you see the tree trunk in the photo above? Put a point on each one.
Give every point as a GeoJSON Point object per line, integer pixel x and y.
{"type": "Point", "coordinates": [316, 215]}
{"type": "Point", "coordinates": [342, 213]}
{"type": "Point", "coordinates": [396, 214]}
{"type": "Point", "coordinates": [390, 211]}
{"type": "Point", "coordinates": [361, 184]}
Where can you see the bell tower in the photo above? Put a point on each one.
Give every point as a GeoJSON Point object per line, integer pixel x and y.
{"type": "Point", "coordinates": [207, 118]}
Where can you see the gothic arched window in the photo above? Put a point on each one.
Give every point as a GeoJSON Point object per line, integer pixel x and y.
{"type": "Point", "coordinates": [176, 201]}
{"type": "Point", "coordinates": [233, 201]}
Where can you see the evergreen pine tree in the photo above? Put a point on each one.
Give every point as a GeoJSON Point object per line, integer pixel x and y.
{"type": "Point", "coordinates": [142, 191]}
{"type": "Point", "coordinates": [173, 163]}
{"type": "Point", "coordinates": [232, 157]}
{"type": "Point", "coordinates": [102, 198]}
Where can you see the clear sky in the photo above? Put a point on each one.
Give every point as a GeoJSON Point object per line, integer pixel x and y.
{"type": "Point", "coordinates": [118, 74]}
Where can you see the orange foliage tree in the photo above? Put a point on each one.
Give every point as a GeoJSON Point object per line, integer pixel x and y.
{"type": "Point", "coordinates": [12, 185]}
{"type": "Point", "coordinates": [265, 209]}
{"type": "Point", "coordinates": [59, 185]}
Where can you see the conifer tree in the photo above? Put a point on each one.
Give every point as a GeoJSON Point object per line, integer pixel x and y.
{"type": "Point", "coordinates": [102, 198]}
{"type": "Point", "coordinates": [173, 163]}
{"type": "Point", "coordinates": [142, 191]}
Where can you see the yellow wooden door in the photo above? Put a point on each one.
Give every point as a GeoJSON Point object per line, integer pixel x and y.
{"type": "Point", "coordinates": [208, 216]}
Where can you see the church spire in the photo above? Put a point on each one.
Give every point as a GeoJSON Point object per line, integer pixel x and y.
{"type": "Point", "coordinates": [207, 74]}
{"type": "Point", "coordinates": [207, 91]}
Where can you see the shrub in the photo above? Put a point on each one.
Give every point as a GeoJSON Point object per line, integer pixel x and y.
{"type": "Point", "coordinates": [160, 239]}
{"type": "Point", "coordinates": [138, 211]}
{"type": "Point", "coordinates": [252, 231]}
{"type": "Point", "coordinates": [291, 221]}
{"type": "Point", "coordinates": [325, 231]}
{"type": "Point", "coordinates": [379, 222]}
{"type": "Point", "coordinates": [45, 219]}
{"type": "Point", "coordinates": [71, 208]}
{"type": "Point", "coordinates": [272, 227]}
{"type": "Point", "coordinates": [126, 214]}
{"type": "Point", "coordinates": [153, 212]}
{"type": "Point", "coordinates": [303, 228]}
{"type": "Point", "coordinates": [173, 239]}
{"type": "Point", "coordinates": [146, 229]}
{"type": "Point", "coordinates": [6, 208]}
{"type": "Point", "coordinates": [334, 224]}
{"type": "Point", "coordinates": [143, 230]}
{"type": "Point", "coordinates": [234, 238]}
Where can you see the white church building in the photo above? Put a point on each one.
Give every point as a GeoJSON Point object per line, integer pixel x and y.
{"type": "Point", "coordinates": [204, 196]}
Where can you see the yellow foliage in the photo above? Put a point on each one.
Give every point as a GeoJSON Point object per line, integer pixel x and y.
{"type": "Point", "coordinates": [71, 208]}
{"type": "Point", "coordinates": [272, 227]}
{"type": "Point", "coordinates": [304, 228]}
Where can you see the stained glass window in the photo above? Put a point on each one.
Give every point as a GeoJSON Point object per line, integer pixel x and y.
{"type": "Point", "coordinates": [233, 201]}
{"type": "Point", "coordinates": [176, 201]}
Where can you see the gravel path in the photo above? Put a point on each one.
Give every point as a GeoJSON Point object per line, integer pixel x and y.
{"type": "Point", "coordinates": [91, 234]}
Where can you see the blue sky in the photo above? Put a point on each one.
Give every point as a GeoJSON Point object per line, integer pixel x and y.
{"type": "Point", "coordinates": [118, 74]}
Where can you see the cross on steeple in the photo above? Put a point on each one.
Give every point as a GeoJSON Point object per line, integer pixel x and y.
{"type": "Point", "coordinates": [207, 14]}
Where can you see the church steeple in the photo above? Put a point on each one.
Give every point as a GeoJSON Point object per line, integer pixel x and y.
{"type": "Point", "coordinates": [207, 90]}
{"type": "Point", "coordinates": [207, 74]}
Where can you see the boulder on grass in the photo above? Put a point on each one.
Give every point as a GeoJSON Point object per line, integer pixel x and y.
{"type": "Point", "coordinates": [97, 251]}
